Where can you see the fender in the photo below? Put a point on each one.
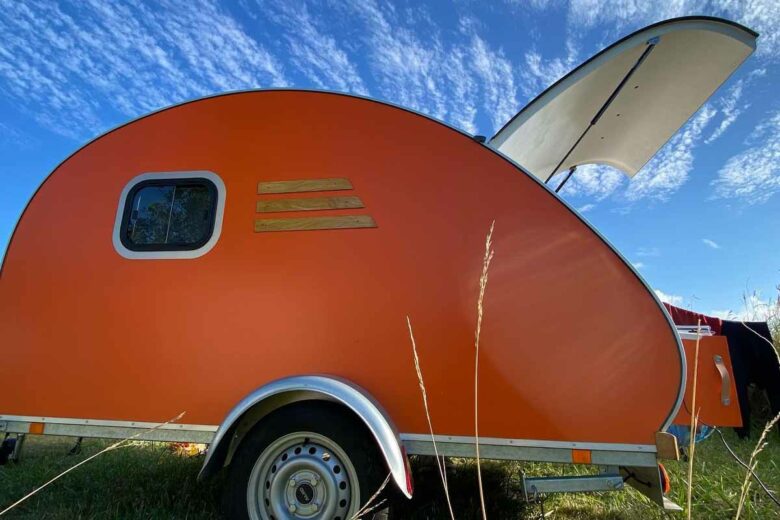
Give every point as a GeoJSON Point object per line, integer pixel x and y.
{"type": "Point", "coordinates": [281, 392]}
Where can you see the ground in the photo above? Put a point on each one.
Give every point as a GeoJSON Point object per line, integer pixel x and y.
{"type": "Point", "coordinates": [149, 480]}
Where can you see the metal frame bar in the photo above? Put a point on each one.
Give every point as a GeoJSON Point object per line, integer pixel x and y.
{"type": "Point", "coordinates": [606, 454]}
{"type": "Point", "coordinates": [112, 429]}
{"type": "Point", "coordinates": [533, 486]}
{"type": "Point", "coordinates": [637, 455]}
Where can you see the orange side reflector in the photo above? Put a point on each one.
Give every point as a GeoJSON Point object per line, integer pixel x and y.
{"type": "Point", "coordinates": [580, 456]}
{"type": "Point", "coordinates": [36, 428]}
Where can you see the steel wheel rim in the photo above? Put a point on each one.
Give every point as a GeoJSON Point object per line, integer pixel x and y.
{"type": "Point", "coordinates": [303, 476]}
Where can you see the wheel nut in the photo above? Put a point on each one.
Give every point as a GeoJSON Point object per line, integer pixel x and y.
{"type": "Point", "coordinates": [291, 508]}
{"type": "Point", "coordinates": [292, 482]}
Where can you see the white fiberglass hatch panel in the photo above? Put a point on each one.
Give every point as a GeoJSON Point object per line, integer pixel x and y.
{"type": "Point", "coordinates": [622, 118]}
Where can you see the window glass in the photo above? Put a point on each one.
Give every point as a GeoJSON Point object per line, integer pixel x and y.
{"type": "Point", "coordinates": [169, 215]}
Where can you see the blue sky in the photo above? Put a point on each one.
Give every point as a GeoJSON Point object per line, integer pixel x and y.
{"type": "Point", "coordinates": [700, 221]}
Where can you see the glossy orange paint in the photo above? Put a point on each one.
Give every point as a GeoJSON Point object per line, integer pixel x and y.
{"type": "Point", "coordinates": [574, 346]}
{"type": "Point", "coordinates": [712, 411]}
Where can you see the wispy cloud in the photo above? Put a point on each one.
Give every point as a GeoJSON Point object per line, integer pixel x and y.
{"type": "Point", "coordinates": [669, 169]}
{"type": "Point", "coordinates": [728, 105]}
{"type": "Point", "coordinates": [754, 174]}
{"type": "Point", "coordinates": [539, 73]}
{"type": "Point", "coordinates": [591, 180]}
{"type": "Point", "coordinates": [646, 252]}
{"type": "Point", "coordinates": [621, 15]}
{"type": "Point", "coordinates": [497, 80]}
{"type": "Point", "coordinates": [449, 74]}
{"type": "Point", "coordinates": [585, 208]}
{"type": "Point", "coordinates": [76, 67]}
{"type": "Point", "coordinates": [414, 69]}
{"type": "Point", "coordinates": [638, 265]}
{"type": "Point", "coordinates": [710, 243]}
{"type": "Point", "coordinates": [313, 51]}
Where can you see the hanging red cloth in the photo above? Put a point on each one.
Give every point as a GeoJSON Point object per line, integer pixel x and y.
{"type": "Point", "coordinates": [686, 317]}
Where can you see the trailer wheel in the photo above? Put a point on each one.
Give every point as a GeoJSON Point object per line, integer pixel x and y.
{"type": "Point", "coordinates": [312, 460]}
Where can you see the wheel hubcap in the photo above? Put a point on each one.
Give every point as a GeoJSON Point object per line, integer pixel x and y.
{"type": "Point", "coordinates": [302, 476]}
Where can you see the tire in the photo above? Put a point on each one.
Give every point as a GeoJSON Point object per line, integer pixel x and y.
{"type": "Point", "coordinates": [312, 460]}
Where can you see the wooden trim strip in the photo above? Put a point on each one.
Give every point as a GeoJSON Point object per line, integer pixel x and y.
{"type": "Point", "coordinates": [303, 185]}
{"type": "Point", "coordinates": [312, 204]}
{"type": "Point", "coordinates": [314, 223]}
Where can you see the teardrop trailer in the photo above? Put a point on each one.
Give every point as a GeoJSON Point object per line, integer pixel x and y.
{"type": "Point", "coordinates": [249, 258]}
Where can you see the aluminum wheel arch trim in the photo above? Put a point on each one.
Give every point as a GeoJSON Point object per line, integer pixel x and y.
{"type": "Point", "coordinates": [315, 387]}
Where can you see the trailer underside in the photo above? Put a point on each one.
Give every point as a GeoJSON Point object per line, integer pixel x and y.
{"type": "Point", "coordinates": [619, 464]}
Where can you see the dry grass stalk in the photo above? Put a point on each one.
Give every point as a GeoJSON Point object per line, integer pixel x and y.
{"type": "Point", "coordinates": [482, 285]}
{"type": "Point", "coordinates": [114, 446]}
{"type": "Point", "coordinates": [694, 419]}
{"type": "Point", "coordinates": [439, 461]}
{"type": "Point", "coordinates": [367, 507]}
{"type": "Point", "coordinates": [752, 463]}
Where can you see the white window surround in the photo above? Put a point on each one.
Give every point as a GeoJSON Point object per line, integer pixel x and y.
{"type": "Point", "coordinates": [170, 255]}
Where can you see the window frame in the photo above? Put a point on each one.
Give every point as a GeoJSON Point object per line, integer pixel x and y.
{"type": "Point", "coordinates": [169, 251]}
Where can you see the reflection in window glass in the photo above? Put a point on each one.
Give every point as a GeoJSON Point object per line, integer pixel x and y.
{"type": "Point", "coordinates": [170, 215]}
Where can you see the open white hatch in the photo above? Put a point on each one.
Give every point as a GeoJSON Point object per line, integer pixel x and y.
{"type": "Point", "coordinates": [622, 105]}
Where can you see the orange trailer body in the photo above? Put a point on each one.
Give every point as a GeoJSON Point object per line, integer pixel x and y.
{"type": "Point", "coordinates": [575, 347]}
{"type": "Point", "coordinates": [277, 320]}
{"type": "Point", "coordinates": [716, 397]}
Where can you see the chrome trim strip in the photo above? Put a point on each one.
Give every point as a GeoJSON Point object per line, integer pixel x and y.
{"type": "Point", "coordinates": [530, 443]}
{"type": "Point", "coordinates": [167, 255]}
{"type": "Point", "coordinates": [342, 391]}
{"type": "Point", "coordinates": [530, 450]}
{"type": "Point", "coordinates": [116, 432]}
{"type": "Point", "coordinates": [102, 422]}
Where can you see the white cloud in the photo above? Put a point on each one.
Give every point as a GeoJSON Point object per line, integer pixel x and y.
{"type": "Point", "coordinates": [669, 298]}
{"type": "Point", "coordinates": [416, 69]}
{"type": "Point", "coordinates": [317, 54]}
{"type": "Point", "coordinates": [646, 252]}
{"type": "Point", "coordinates": [538, 73]}
{"type": "Point", "coordinates": [585, 208]}
{"type": "Point", "coordinates": [754, 174]}
{"type": "Point", "coordinates": [710, 243]}
{"type": "Point", "coordinates": [668, 170]}
{"type": "Point", "coordinates": [754, 308]}
{"type": "Point", "coordinates": [75, 68]}
{"type": "Point", "coordinates": [638, 265]}
{"type": "Point", "coordinates": [497, 81]}
{"type": "Point", "coordinates": [449, 77]}
{"type": "Point", "coordinates": [624, 15]}
{"type": "Point", "coordinates": [591, 180]}
{"type": "Point", "coordinates": [728, 106]}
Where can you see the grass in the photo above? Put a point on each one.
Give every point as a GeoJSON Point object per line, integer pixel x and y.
{"type": "Point", "coordinates": [142, 480]}
{"type": "Point", "coordinates": [147, 480]}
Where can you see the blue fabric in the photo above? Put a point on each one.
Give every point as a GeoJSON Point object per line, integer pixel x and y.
{"type": "Point", "coordinates": [683, 433]}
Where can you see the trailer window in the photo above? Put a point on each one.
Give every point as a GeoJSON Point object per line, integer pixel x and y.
{"type": "Point", "coordinates": [169, 214]}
